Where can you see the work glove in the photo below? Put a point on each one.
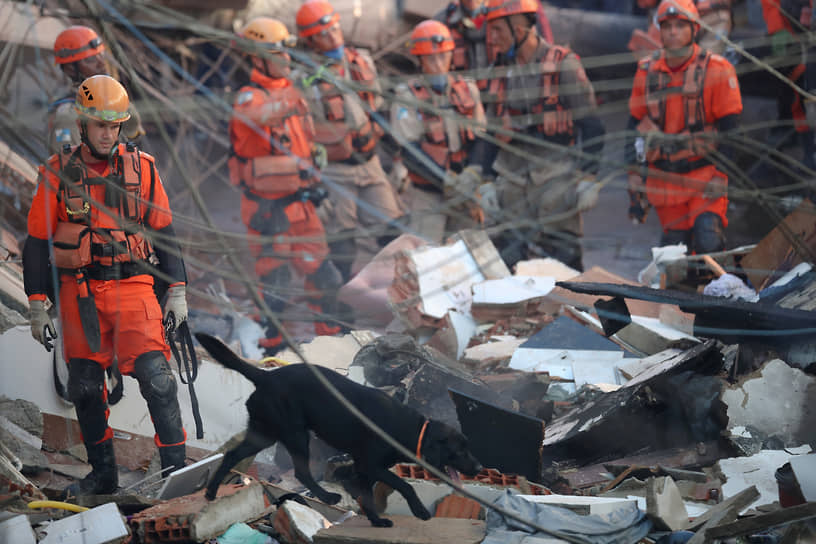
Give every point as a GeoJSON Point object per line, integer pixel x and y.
{"type": "Point", "coordinates": [780, 41]}
{"type": "Point", "coordinates": [42, 328]}
{"type": "Point", "coordinates": [320, 157]}
{"type": "Point", "coordinates": [175, 307]}
{"type": "Point", "coordinates": [587, 191]}
{"type": "Point", "coordinates": [399, 176]}
{"type": "Point", "coordinates": [717, 187]}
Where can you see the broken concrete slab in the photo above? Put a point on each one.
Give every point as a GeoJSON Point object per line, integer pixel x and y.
{"type": "Point", "coordinates": [453, 333]}
{"type": "Point", "coordinates": [547, 267]}
{"type": "Point", "coordinates": [17, 530]}
{"type": "Point", "coordinates": [775, 402]}
{"type": "Point", "coordinates": [334, 352]}
{"type": "Point", "coordinates": [804, 469]}
{"type": "Point", "coordinates": [101, 525]}
{"type": "Point", "coordinates": [193, 517]}
{"type": "Point", "coordinates": [22, 445]}
{"type": "Point", "coordinates": [490, 429]}
{"type": "Point", "coordinates": [633, 417]}
{"type": "Point", "coordinates": [298, 524]}
{"type": "Point", "coordinates": [758, 470]}
{"type": "Point", "coordinates": [430, 281]}
{"type": "Point", "coordinates": [406, 530]}
{"type": "Point", "coordinates": [511, 296]}
{"type": "Point", "coordinates": [497, 349]}
{"type": "Point", "coordinates": [26, 415]}
{"type": "Point", "coordinates": [664, 504]}
{"type": "Point", "coordinates": [11, 318]}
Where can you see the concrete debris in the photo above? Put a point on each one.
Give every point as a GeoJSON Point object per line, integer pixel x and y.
{"type": "Point", "coordinates": [516, 295]}
{"type": "Point", "coordinates": [101, 525]}
{"type": "Point", "coordinates": [17, 530]}
{"type": "Point", "coordinates": [771, 406]}
{"type": "Point", "coordinates": [664, 504]}
{"type": "Point", "coordinates": [297, 524]}
{"type": "Point", "coordinates": [334, 352]}
{"type": "Point", "coordinates": [406, 530]}
{"type": "Point", "coordinates": [756, 470]}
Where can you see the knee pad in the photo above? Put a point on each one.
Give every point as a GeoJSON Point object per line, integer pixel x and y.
{"type": "Point", "coordinates": [707, 233]}
{"type": "Point", "coordinates": [86, 381]}
{"type": "Point", "coordinates": [327, 276]}
{"type": "Point", "coordinates": [156, 380]}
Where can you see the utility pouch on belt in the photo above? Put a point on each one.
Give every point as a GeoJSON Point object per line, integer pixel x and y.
{"type": "Point", "coordinates": [72, 245]}
{"type": "Point", "coordinates": [270, 219]}
{"type": "Point", "coordinates": [274, 174]}
{"type": "Point", "coordinates": [87, 313]}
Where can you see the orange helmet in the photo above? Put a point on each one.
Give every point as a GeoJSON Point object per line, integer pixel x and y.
{"type": "Point", "coordinates": [77, 43]}
{"type": "Point", "coordinates": [268, 31]}
{"type": "Point", "coordinates": [102, 98]}
{"type": "Point", "coordinates": [314, 16]}
{"type": "Point", "coordinates": [431, 37]}
{"type": "Point", "coordinates": [504, 8]}
{"type": "Point", "coordinates": [680, 9]}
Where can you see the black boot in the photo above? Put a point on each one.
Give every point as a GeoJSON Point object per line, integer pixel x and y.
{"type": "Point", "coordinates": [172, 458]}
{"type": "Point", "coordinates": [103, 479]}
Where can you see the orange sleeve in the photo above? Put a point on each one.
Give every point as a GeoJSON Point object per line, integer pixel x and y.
{"type": "Point", "coordinates": [637, 101]}
{"type": "Point", "coordinates": [160, 214]}
{"type": "Point", "coordinates": [722, 92]}
{"type": "Point", "coordinates": [42, 217]}
{"type": "Point", "coordinates": [774, 19]}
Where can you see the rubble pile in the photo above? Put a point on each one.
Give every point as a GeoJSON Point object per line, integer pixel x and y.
{"type": "Point", "coordinates": [604, 411]}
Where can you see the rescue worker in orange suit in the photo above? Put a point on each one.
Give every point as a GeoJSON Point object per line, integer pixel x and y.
{"type": "Point", "coordinates": [684, 100]}
{"type": "Point", "coordinates": [713, 13]}
{"type": "Point", "coordinates": [445, 135]}
{"type": "Point", "coordinates": [80, 54]}
{"type": "Point", "coordinates": [466, 21]}
{"type": "Point", "coordinates": [361, 194]}
{"type": "Point", "coordinates": [544, 94]}
{"type": "Point", "coordinates": [272, 138]}
{"type": "Point", "coordinates": [785, 43]}
{"type": "Point", "coordinates": [97, 209]}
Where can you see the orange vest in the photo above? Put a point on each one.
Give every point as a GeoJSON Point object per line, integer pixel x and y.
{"type": "Point", "coordinates": [552, 117]}
{"type": "Point", "coordinates": [686, 150]}
{"type": "Point", "coordinates": [77, 242]}
{"type": "Point", "coordinates": [435, 141]}
{"type": "Point", "coordinates": [274, 160]}
{"type": "Point", "coordinates": [335, 133]}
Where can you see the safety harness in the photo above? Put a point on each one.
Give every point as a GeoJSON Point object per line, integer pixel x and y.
{"type": "Point", "coordinates": [346, 143]}
{"type": "Point", "coordinates": [549, 116]}
{"type": "Point", "coordinates": [686, 150]}
{"type": "Point", "coordinates": [435, 142]}
{"type": "Point", "coordinates": [284, 169]}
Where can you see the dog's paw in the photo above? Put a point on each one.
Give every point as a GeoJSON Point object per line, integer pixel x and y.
{"type": "Point", "coordinates": [421, 512]}
{"type": "Point", "coordinates": [331, 498]}
{"type": "Point", "coordinates": [381, 522]}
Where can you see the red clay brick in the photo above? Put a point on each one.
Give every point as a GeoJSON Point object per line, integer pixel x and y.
{"type": "Point", "coordinates": [457, 506]}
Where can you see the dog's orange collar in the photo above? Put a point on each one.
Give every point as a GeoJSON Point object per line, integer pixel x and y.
{"type": "Point", "coordinates": [419, 440]}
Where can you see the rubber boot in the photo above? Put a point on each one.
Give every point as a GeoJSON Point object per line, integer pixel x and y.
{"type": "Point", "coordinates": [103, 479]}
{"type": "Point", "coordinates": [172, 458]}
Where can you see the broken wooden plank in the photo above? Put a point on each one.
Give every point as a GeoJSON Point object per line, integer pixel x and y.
{"type": "Point", "coordinates": [736, 504]}
{"type": "Point", "coordinates": [763, 521]}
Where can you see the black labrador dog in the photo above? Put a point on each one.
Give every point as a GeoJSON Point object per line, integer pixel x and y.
{"type": "Point", "coordinates": [290, 401]}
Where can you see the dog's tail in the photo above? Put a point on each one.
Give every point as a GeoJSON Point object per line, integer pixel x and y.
{"type": "Point", "coordinates": [224, 355]}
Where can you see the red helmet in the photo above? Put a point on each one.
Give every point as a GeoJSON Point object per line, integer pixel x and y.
{"type": "Point", "coordinates": [77, 43]}
{"type": "Point", "coordinates": [679, 9]}
{"type": "Point", "coordinates": [504, 8]}
{"type": "Point", "coordinates": [315, 16]}
{"type": "Point", "coordinates": [431, 37]}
